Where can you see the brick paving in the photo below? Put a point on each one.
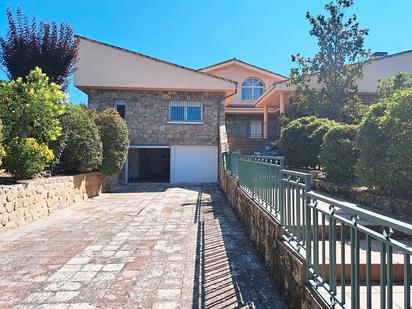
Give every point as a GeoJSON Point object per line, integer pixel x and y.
{"type": "Point", "coordinates": [147, 246]}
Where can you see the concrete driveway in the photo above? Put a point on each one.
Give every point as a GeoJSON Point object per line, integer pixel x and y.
{"type": "Point", "coordinates": [147, 246]}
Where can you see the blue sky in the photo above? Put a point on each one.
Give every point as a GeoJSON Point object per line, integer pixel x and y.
{"type": "Point", "coordinates": [199, 33]}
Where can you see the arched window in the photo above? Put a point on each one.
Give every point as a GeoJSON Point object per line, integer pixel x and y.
{"type": "Point", "coordinates": [252, 89]}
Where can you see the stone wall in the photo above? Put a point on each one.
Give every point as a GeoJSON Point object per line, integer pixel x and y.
{"type": "Point", "coordinates": [384, 204]}
{"type": "Point", "coordinates": [147, 115]}
{"type": "Point", "coordinates": [285, 267]}
{"type": "Point", "coordinates": [33, 199]}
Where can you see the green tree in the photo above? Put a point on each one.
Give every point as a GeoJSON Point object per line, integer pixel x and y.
{"type": "Point", "coordinates": [31, 108]}
{"type": "Point", "coordinates": [328, 80]}
{"type": "Point", "coordinates": [2, 150]}
{"type": "Point", "coordinates": [384, 139]}
{"type": "Point", "coordinates": [43, 45]}
{"type": "Point", "coordinates": [113, 131]}
{"type": "Point", "coordinates": [400, 81]}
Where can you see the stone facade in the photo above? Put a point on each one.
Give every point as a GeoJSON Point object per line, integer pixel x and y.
{"type": "Point", "coordinates": [37, 198]}
{"type": "Point", "coordinates": [147, 115]}
{"type": "Point", "coordinates": [286, 267]}
{"type": "Point", "coordinates": [396, 206]}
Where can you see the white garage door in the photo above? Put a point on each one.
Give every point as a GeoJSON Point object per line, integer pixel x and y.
{"type": "Point", "coordinates": [193, 164]}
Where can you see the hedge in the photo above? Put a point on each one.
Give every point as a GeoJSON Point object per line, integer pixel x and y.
{"type": "Point", "coordinates": [81, 143]}
{"type": "Point", "coordinates": [113, 131]}
{"type": "Point", "coordinates": [301, 140]}
{"type": "Point", "coordinates": [25, 157]}
{"type": "Point", "coordinates": [385, 144]}
{"type": "Point", "coordinates": [339, 154]}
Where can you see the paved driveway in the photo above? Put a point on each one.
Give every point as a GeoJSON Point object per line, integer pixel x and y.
{"type": "Point", "coordinates": [149, 246]}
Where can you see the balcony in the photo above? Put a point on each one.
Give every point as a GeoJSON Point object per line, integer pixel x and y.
{"type": "Point", "coordinates": [248, 136]}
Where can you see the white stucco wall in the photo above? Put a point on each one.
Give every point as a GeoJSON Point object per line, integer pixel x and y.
{"type": "Point", "coordinates": [102, 66]}
{"type": "Point", "coordinates": [373, 71]}
{"type": "Point", "coordinates": [240, 73]}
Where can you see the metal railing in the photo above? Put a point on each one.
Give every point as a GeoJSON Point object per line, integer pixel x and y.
{"type": "Point", "coordinates": [351, 234]}
{"type": "Point", "coordinates": [259, 176]}
{"type": "Point", "coordinates": [294, 185]}
{"type": "Point", "coordinates": [334, 237]}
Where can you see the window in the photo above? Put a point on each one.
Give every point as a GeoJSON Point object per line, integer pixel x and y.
{"type": "Point", "coordinates": [252, 89]}
{"type": "Point", "coordinates": [120, 106]}
{"type": "Point", "coordinates": [254, 129]}
{"type": "Point", "coordinates": [233, 128]}
{"type": "Point", "coordinates": [190, 112]}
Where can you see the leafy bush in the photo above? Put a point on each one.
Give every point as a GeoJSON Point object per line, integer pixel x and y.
{"type": "Point", "coordinates": [31, 108]}
{"type": "Point", "coordinates": [338, 153]}
{"type": "Point", "coordinates": [81, 140]}
{"type": "Point", "coordinates": [301, 140]}
{"type": "Point", "coordinates": [400, 81]}
{"type": "Point", "coordinates": [2, 150]}
{"type": "Point", "coordinates": [25, 157]}
{"type": "Point", "coordinates": [113, 131]}
{"type": "Point", "coordinates": [385, 142]}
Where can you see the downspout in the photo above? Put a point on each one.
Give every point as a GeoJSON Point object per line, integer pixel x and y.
{"type": "Point", "coordinates": [220, 157]}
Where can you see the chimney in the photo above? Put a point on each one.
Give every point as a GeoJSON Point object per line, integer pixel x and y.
{"type": "Point", "coordinates": [377, 55]}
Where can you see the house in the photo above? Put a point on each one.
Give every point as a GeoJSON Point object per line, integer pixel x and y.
{"type": "Point", "coordinates": [178, 117]}
{"type": "Point", "coordinates": [249, 128]}
{"type": "Point", "coordinates": [380, 66]}
{"type": "Point", "coordinates": [174, 114]}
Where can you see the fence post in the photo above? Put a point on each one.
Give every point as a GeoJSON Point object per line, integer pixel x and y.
{"type": "Point", "coordinates": [308, 232]}
{"type": "Point", "coordinates": [235, 166]}
{"type": "Point", "coordinates": [227, 162]}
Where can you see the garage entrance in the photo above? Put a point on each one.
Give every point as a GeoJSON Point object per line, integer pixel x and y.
{"type": "Point", "coordinates": [194, 164]}
{"type": "Point", "coordinates": [175, 164]}
{"type": "Point", "coordinates": [148, 165]}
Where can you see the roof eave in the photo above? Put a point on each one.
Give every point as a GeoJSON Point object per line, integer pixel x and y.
{"type": "Point", "coordinates": [76, 36]}
{"type": "Point", "coordinates": [240, 62]}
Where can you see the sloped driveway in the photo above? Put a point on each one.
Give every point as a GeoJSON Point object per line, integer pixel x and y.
{"type": "Point", "coordinates": [148, 246]}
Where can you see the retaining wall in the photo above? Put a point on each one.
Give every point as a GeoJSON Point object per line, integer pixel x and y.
{"type": "Point", "coordinates": [33, 199]}
{"type": "Point", "coordinates": [386, 204]}
{"type": "Point", "coordinates": [286, 267]}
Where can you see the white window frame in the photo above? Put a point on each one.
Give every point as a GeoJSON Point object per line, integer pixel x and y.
{"type": "Point", "coordinates": [121, 102]}
{"type": "Point", "coordinates": [255, 124]}
{"type": "Point", "coordinates": [185, 105]}
{"type": "Point", "coordinates": [252, 88]}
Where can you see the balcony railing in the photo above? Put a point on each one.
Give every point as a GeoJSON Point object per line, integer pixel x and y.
{"type": "Point", "coordinates": [247, 129]}
{"type": "Point", "coordinates": [350, 252]}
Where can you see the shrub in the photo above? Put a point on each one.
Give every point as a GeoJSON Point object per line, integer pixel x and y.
{"type": "Point", "coordinates": [301, 140]}
{"type": "Point", "coordinates": [338, 153]}
{"type": "Point", "coordinates": [25, 157]}
{"type": "Point", "coordinates": [81, 140]}
{"type": "Point", "coordinates": [113, 131]}
{"type": "Point", "coordinates": [2, 151]}
{"type": "Point", "coordinates": [385, 143]}
{"type": "Point", "coordinates": [31, 108]}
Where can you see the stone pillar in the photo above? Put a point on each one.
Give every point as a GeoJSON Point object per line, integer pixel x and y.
{"type": "Point", "coordinates": [265, 121]}
{"type": "Point", "coordinates": [282, 103]}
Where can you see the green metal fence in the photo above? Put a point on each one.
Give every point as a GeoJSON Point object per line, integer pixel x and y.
{"type": "Point", "coordinates": [259, 176]}
{"type": "Point", "coordinates": [294, 185]}
{"type": "Point", "coordinates": [354, 233]}
{"type": "Point", "coordinates": [331, 235]}
{"type": "Point", "coordinates": [231, 162]}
